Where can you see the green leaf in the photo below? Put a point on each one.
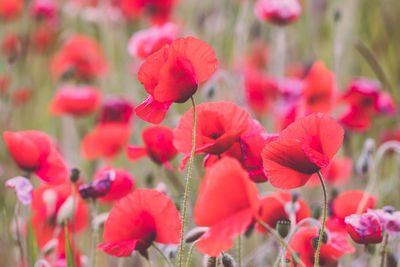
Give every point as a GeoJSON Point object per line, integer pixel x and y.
{"type": "Point", "coordinates": [68, 251]}
{"type": "Point", "coordinates": [32, 247]}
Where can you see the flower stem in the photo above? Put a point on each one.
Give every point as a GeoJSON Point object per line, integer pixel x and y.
{"type": "Point", "coordinates": [383, 250]}
{"type": "Point", "coordinates": [281, 241]}
{"type": "Point", "coordinates": [190, 254]}
{"type": "Point", "coordinates": [18, 234]}
{"type": "Point", "coordinates": [94, 235]}
{"type": "Point", "coordinates": [239, 251]}
{"type": "Point", "coordinates": [189, 175]}
{"type": "Point", "coordinates": [162, 254]}
{"type": "Point", "coordinates": [316, 261]}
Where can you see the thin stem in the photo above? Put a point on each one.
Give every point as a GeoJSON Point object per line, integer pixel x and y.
{"type": "Point", "coordinates": [73, 218]}
{"type": "Point", "coordinates": [383, 250]}
{"type": "Point", "coordinates": [189, 175]}
{"type": "Point", "coordinates": [316, 261]}
{"type": "Point", "coordinates": [94, 235]}
{"type": "Point", "coordinates": [18, 233]}
{"type": "Point", "coordinates": [281, 241]}
{"type": "Point", "coordinates": [239, 251]}
{"type": "Point", "coordinates": [190, 254]}
{"type": "Point", "coordinates": [162, 254]}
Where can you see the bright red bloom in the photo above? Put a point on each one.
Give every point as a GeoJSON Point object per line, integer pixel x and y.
{"type": "Point", "coordinates": [158, 10]}
{"type": "Point", "coordinates": [116, 109]}
{"type": "Point", "coordinates": [34, 151]}
{"type": "Point", "coordinates": [247, 150]}
{"type": "Point", "coordinates": [302, 149]}
{"type": "Point", "coordinates": [338, 172]}
{"type": "Point", "coordinates": [261, 91]}
{"type": "Point", "coordinates": [138, 219]}
{"type": "Point", "coordinates": [145, 42]}
{"type": "Point", "coordinates": [280, 12]}
{"type": "Point", "coordinates": [122, 184]}
{"type": "Point", "coordinates": [44, 9]}
{"type": "Point", "coordinates": [364, 228]}
{"type": "Point", "coordinates": [51, 206]}
{"type": "Point", "coordinates": [21, 96]}
{"type": "Point", "coordinates": [276, 206]}
{"type": "Point", "coordinates": [228, 210]}
{"type": "Point", "coordinates": [75, 101]}
{"type": "Point", "coordinates": [218, 126]}
{"type": "Point", "coordinates": [42, 38]}
{"type": "Point", "coordinates": [11, 45]}
{"type": "Point", "coordinates": [158, 146]}
{"type": "Point", "coordinates": [81, 57]}
{"type": "Point", "coordinates": [106, 140]}
{"type": "Point", "coordinates": [347, 203]}
{"type": "Point", "coordinates": [330, 252]}
{"type": "Point", "coordinates": [10, 9]}
{"type": "Point", "coordinates": [319, 89]}
{"type": "Point", "coordinates": [172, 74]}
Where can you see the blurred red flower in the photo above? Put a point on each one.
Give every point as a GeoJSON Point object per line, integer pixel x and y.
{"type": "Point", "coordinates": [337, 173]}
{"type": "Point", "coordinates": [116, 109]}
{"type": "Point", "coordinates": [75, 101]}
{"type": "Point", "coordinates": [227, 210]}
{"type": "Point", "coordinates": [139, 219]}
{"type": "Point", "coordinates": [158, 145]}
{"type": "Point", "coordinates": [10, 9]}
{"type": "Point", "coordinates": [347, 203]}
{"type": "Point", "coordinates": [280, 12]}
{"type": "Point", "coordinates": [21, 96]}
{"type": "Point", "coordinates": [34, 151]}
{"type": "Point", "coordinates": [172, 74]}
{"type": "Point", "coordinates": [158, 11]}
{"type": "Point", "coordinates": [218, 126]}
{"type": "Point", "coordinates": [302, 149]}
{"type": "Point", "coordinates": [81, 57]}
{"type": "Point", "coordinates": [276, 206]}
{"type": "Point", "coordinates": [11, 45]}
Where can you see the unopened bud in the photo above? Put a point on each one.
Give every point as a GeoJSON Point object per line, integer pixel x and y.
{"type": "Point", "coordinates": [66, 211]}
{"type": "Point", "coordinates": [283, 227]}
{"type": "Point", "coordinates": [74, 176]}
{"type": "Point", "coordinates": [365, 161]}
{"type": "Point", "coordinates": [228, 260]}
{"type": "Point", "coordinates": [98, 188]}
{"type": "Point", "coordinates": [195, 234]}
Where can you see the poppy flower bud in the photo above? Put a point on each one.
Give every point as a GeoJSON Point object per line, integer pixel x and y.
{"type": "Point", "coordinates": [228, 260]}
{"type": "Point", "coordinates": [365, 161]}
{"type": "Point", "coordinates": [314, 240]}
{"type": "Point", "coordinates": [66, 211]}
{"type": "Point", "coordinates": [210, 261]}
{"type": "Point", "coordinates": [283, 227]}
{"type": "Point", "coordinates": [195, 234]}
{"type": "Point", "coordinates": [74, 176]}
{"type": "Point", "coordinates": [97, 188]}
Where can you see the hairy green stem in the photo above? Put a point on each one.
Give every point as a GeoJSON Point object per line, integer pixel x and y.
{"type": "Point", "coordinates": [383, 250]}
{"type": "Point", "coordinates": [189, 175]}
{"type": "Point", "coordinates": [239, 251]}
{"type": "Point", "coordinates": [316, 261]}
{"type": "Point", "coordinates": [162, 254]}
{"type": "Point", "coordinates": [190, 254]}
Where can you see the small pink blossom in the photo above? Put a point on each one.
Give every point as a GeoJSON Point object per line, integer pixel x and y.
{"type": "Point", "coordinates": [279, 12]}
{"type": "Point", "coordinates": [389, 219]}
{"type": "Point", "coordinates": [22, 187]}
{"type": "Point", "coordinates": [364, 228]}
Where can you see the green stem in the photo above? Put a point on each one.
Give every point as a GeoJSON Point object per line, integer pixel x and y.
{"type": "Point", "coordinates": [162, 254]}
{"type": "Point", "coordinates": [281, 241]}
{"type": "Point", "coordinates": [190, 254]}
{"type": "Point", "coordinates": [189, 175]}
{"type": "Point", "coordinates": [383, 250]}
{"type": "Point", "coordinates": [316, 261]}
{"type": "Point", "coordinates": [239, 251]}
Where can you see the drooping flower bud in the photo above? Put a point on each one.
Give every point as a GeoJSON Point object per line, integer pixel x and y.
{"type": "Point", "coordinates": [97, 188]}
{"type": "Point", "coordinates": [365, 161]}
{"type": "Point", "coordinates": [74, 176]}
{"type": "Point", "coordinates": [195, 234]}
{"type": "Point", "coordinates": [228, 260]}
{"type": "Point", "coordinates": [210, 261]}
{"type": "Point", "coordinates": [283, 227]}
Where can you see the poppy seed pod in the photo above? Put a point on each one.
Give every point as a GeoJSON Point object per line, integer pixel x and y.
{"type": "Point", "coordinates": [283, 227]}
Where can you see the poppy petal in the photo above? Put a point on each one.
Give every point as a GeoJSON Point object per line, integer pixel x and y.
{"type": "Point", "coordinates": [135, 152]}
{"type": "Point", "coordinates": [120, 248]}
{"type": "Point", "coordinates": [152, 111]}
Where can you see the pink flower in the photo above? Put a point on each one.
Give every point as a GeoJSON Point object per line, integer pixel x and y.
{"type": "Point", "coordinates": [364, 228]}
{"type": "Point", "coordinates": [389, 219]}
{"type": "Point", "coordinates": [280, 12]}
{"type": "Point", "coordinates": [22, 187]}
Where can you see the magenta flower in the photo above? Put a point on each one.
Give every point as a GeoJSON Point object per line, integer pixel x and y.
{"type": "Point", "coordinates": [22, 187]}
{"type": "Point", "coordinates": [364, 228]}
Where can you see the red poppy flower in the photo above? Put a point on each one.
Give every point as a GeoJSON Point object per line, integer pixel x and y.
{"type": "Point", "coordinates": [228, 210]}
{"type": "Point", "coordinates": [81, 57]}
{"type": "Point", "coordinates": [336, 246]}
{"type": "Point", "coordinates": [261, 91]}
{"type": "Point", "coordinates": [218, 126]}
{"type": "Point", "coordinates": [42, 38]}
{"type": "Point", "coordinates": [157, 145]}
{"type": "Point", "coordinates": [276, 206]}
{"type": "Point", "coordinates": [247, 150]}
{"type": "Point", "coordinates": [75, 101]}
{"type": "Point", "coordinates": [302, 149]}
{"type": "Point", "coordinates": [172, 74]}
{"type": "Point", "coordinates": [122, 184]}
{"type": "Point", "coordinates": [337, 173]}
{"type": "Point", "coordinates": [116, 109]}
{"type": "Point", "coordinates": [34, 151]}
{"type": "Point", "coordinates": [10, 9]}
{"type": "Point", "coordinates": [157, 10]}
{"type": "Point", "coordinates": [280, 12]}
{"type": "Point", "coordinates": [145, 42]}
{"type": "Point", "coordinates": [44, 9]}
{"type": "Point", "coordinates": [258, 55]}
{"type": "Point", "coordinates": [364, 228]}
{"type": "Point", "coordinates": [319, 89]}
{"type": "Point", "coordinates": [51, 206]}
{"type": "Point", "coordinates": [139, 219]}
{"type": "Point", "coordinates": [106, 140]}
{"type": "Point", "coordinates": [11, 45]}
{"type": "Point", "coordinates": [347, 203]}
{"type": "Point", "coordinates": [21, 96]}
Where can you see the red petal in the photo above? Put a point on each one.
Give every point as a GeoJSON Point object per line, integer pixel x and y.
{"type": "Point", "coordinates": [347, 203]}
{"type": "Point", "coordinates": [158, 141]}
{"type": "Point", "coordinates": [152, 111]}
{"type": "Point", "coordinates": [53, 170]}
{"type": "Point", "coordinates": [219, 237]}
{"type": "Point", "coordinates": [135, 152]}
{"type": "Point", "coordinates": [119, 249]}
